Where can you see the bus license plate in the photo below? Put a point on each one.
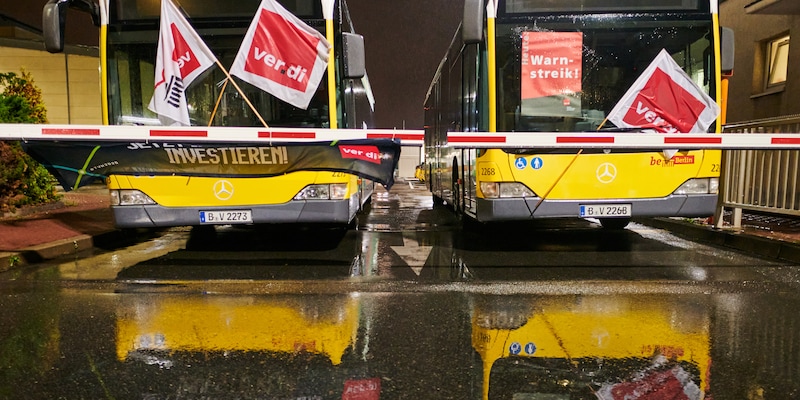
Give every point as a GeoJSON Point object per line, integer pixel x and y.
{"type": "Point", "coordinates": [605, 210]}
{"type": "Point", "coordinates": [226, 217]}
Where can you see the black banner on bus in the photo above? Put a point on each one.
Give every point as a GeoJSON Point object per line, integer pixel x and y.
{"type": "Point", "coordinates": [78, 163]}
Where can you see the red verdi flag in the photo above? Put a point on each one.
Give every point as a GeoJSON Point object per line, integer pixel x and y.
{"type": "Point", "coordinates": [181, 58]}
{"type": "Point", "coordinates": [665, 99]}
{"type": "Point", "coordinates": [282, 55]}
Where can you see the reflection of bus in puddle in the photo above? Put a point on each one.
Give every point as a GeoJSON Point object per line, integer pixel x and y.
{"type": "Point", "coordinates": [268, 347]}
{"type": "Point", "coordinates": [592, 347]}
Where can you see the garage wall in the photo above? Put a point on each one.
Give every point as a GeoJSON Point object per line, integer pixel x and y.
{"type": "Point", "coordinates": [70, 82]}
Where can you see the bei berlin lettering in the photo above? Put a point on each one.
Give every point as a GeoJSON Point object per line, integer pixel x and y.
{"type": "Point", "coordinates": [675, 160]}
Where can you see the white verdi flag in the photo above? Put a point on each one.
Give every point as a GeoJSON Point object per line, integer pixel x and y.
{"type": "Point", "coordinates": [665, 99]}
{"type": "Point", "coordinates": [181, 58]}
{"type": "Point", "coordinates": [282, 55]}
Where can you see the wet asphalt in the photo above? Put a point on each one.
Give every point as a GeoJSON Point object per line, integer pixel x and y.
{"type": "Point", "coordinates": [407, 303]}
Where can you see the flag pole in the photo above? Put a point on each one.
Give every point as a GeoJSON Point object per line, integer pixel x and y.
{"type": "Point", "coordinates": [219, 99]}
{"type": "Point", "coordinates": [564, 172]}
{"type": "Point", "coordinates": [602, 124]}
{"type": "Point", "coordinates": [244, 96]}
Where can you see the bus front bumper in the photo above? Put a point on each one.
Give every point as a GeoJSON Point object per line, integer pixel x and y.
{"type": "Point", "coordinates": [317, 211]}
{"type": "Point", "coordinates": [515, 209]}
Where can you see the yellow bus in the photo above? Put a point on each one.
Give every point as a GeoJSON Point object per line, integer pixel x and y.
{"type": "Point", "coordinates": [277, 347]}
{"type": "Point", "coordinates": [325, 325]}
{"type": "Point", "coordinates": [129, 32]}
{"type": "Point", "coordinates": [562, 66]}
{"type": "Point", "coordinates": [587, 347]}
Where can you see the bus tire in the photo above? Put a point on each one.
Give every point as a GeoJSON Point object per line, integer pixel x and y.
{"type": "Point", "coordinates": [614, 223]}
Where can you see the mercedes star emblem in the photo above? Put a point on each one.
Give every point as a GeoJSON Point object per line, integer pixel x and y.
{"type": "Point", "coordinates": [606, 172]}
{"type": "Point", "coordinates": [223, 189]}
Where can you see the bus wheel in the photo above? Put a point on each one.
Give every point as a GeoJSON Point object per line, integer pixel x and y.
{"type": "Point", "coordinates": [614, 223]}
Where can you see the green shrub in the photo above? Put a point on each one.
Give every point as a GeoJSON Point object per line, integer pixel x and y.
{"type": "Point", "coordinates": [15, 109]}
{"type": "Point", "coordinates": [22, 179]}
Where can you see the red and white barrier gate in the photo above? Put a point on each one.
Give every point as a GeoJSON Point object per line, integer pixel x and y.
{"type": "Point", "coordinates": [625, 140]}
{"type": "Point", "coordinates": [200, 134]}
{"type": "Point", "coordinates": [407, 137]}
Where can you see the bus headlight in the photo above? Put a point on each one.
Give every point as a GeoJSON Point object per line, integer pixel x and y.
{"type": "Point", "coordinates": [129, 197]}
{"type": "Point", "coordinates": [493, 190]}
{"type": "Point", "coordinates": [338, 191]}
{"type": "Point", "coordinates": [699, 186]}
{"type": "Point", "coordinates": [334, 191]}
{"type": "Point", "coordinates": [713, 185]}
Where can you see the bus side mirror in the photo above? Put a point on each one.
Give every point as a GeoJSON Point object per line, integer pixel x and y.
{"type": "Point", "coordinates": [472, 25]}
{"type": "Point", "coordinates": [53, 16]}
{"type": "Point", "coordinates": [726, 51]}
{"type": "Point", "coordinates": [354, 60]}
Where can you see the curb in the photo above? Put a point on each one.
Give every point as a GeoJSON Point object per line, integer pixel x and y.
{"type": "Point", "coordinates": [56, 249]}
{"type": "Point", "coordinates": [760, 246]}
{"type": "Point", "coordinates": [20, 212]}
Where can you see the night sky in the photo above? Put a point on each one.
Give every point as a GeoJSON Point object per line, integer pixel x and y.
{"type": "Point", "coordinates": [405, 40]}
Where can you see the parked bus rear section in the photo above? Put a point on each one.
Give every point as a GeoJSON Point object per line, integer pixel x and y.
{"type": "Point", "coordinates": [502, 74]}
{"type": "Point", "coordinates": [128, 41]}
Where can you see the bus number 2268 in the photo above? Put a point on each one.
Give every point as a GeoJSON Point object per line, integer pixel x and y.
{"type": "Point", "coordinates": [605, 210]}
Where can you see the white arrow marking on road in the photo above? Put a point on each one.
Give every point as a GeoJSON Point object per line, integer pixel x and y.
{"type": "Point", "coordinates": [413, 254]}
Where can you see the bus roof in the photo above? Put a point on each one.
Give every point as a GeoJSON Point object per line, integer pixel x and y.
{"type": "Point", "coordinates": [132, 10]}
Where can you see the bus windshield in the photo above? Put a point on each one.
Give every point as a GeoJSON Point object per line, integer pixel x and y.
{"type": "Point", "coordinates": [566, 72]}
{"type": "Point", "coordinates": [132, 38]}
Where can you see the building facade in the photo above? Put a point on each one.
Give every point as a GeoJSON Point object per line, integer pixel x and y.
{"type": "Point", "coordinates": [69, 81]}
{"type": "Point", "coordinates": [763, 85]}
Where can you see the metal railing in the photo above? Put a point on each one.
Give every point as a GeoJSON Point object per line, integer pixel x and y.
{"type": "Point", "coordinates": [760, 180]}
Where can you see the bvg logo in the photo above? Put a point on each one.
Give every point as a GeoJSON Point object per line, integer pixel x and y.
{"type": "Point", "coordinates": [223, 190]}
{"type": "Point", "coordinates": [606, 172]}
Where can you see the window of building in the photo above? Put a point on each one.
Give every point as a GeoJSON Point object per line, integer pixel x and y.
{"type": "Point", "coordinates": [777, 61]}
